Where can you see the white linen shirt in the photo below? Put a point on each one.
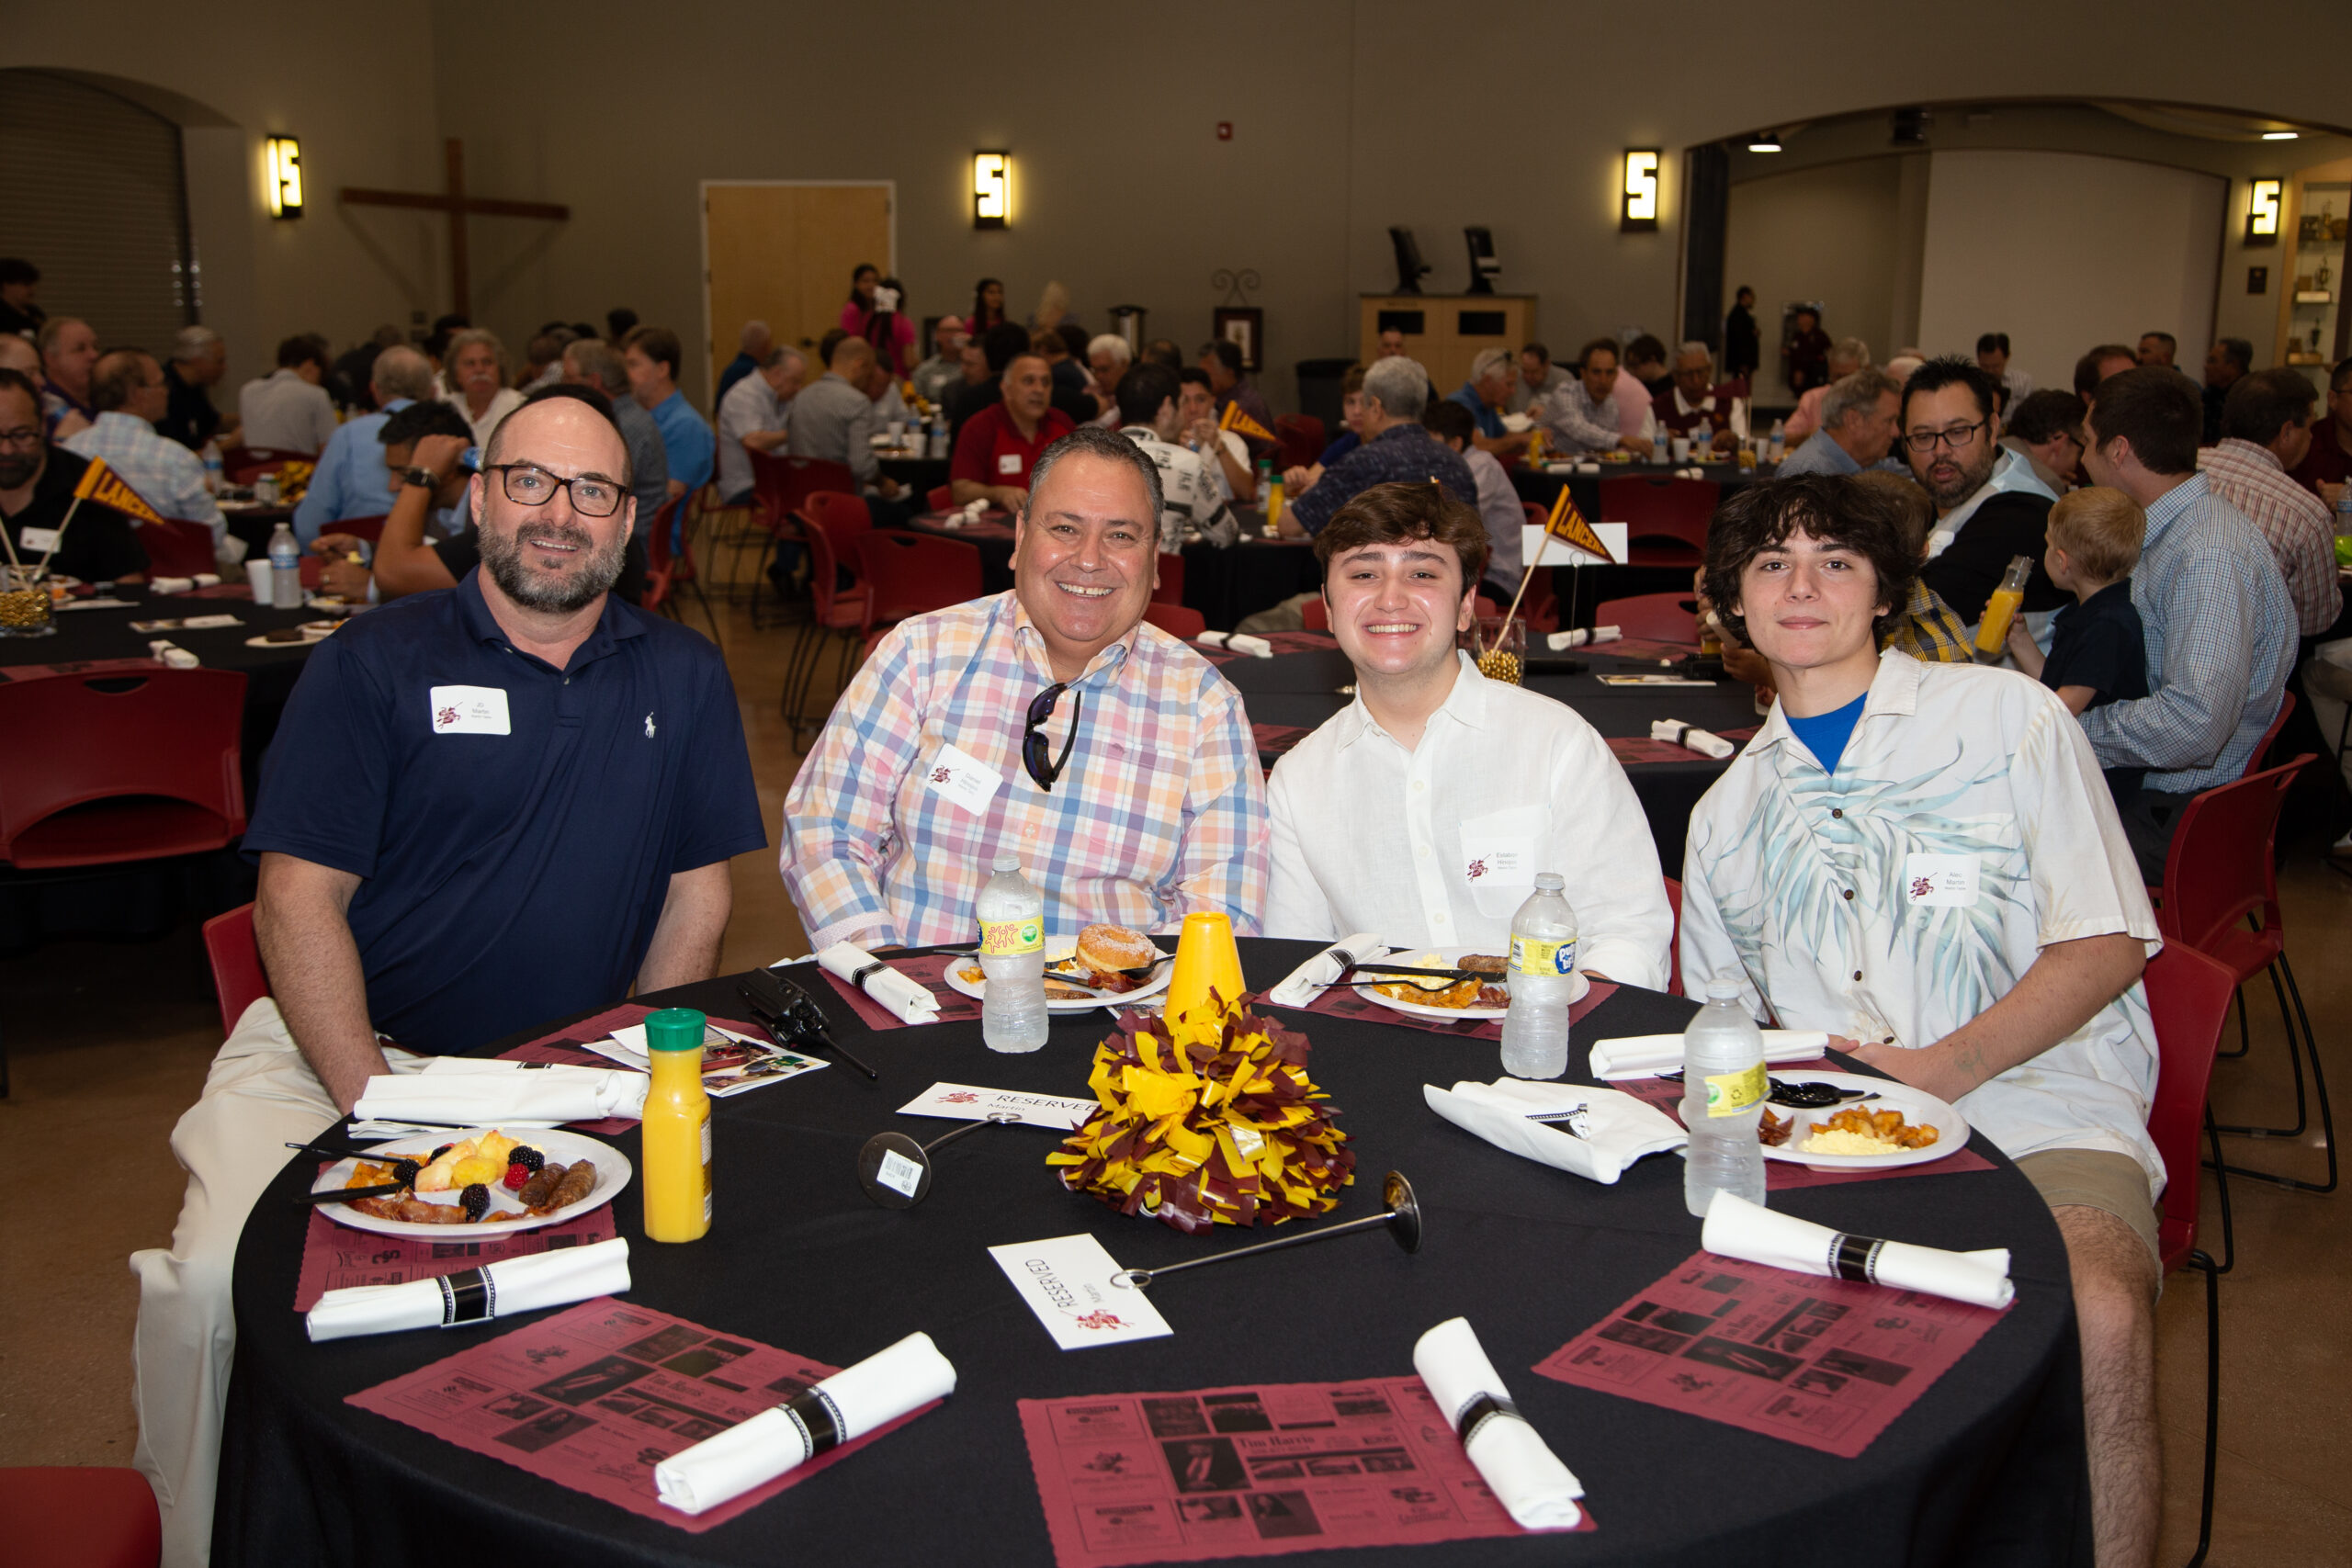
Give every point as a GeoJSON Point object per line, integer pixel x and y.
{"type": "Point", "coordinates": [504, 402]}
{"type": "Point", "coordinates": [751, 407]}
{"type": "Point", "coordinates": [1804, 889]}
{"type": "Point", "coordinates": [283, 412]}
{"type": "Point", "coordinates": [1440, 846]}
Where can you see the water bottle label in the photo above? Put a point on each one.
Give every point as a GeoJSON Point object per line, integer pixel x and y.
{"type": "Point", "coordinates": [1728, 1094]}
{"type": "Point", "coordinates": [1530, 956]}
{"type": "Point", "coordinates": [1002, 938]}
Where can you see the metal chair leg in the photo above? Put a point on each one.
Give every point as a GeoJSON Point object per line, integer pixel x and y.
{"type": "Point", "coordinates": [2294, 1064]}
{"type": "Point", "coordinates": [2199, 1261]}
{"type": "Point", "coordinates": [2285, 971]}
{"type": "Point", "coordinates": [2222, 1195]}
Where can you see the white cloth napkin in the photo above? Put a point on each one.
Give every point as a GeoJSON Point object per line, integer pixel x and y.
{"type": "Point", "coordinates": [845, 1407]}
{"type": "Point", "coordinates": [471, 1092]}
{"type": "Point", "coordinates": [1521, 1471]}
{"type": "Point", "coordinates": [1706, 742]}
{"type": "Point", "coordinates": [1640, 1055]}
{"type": "Point", "coordinates": [1738, 1228]}
{"type": "Point", "coordinates": [1580, 636]}
{"type": "Point", "coordinates": [1239, 642]}
{"type": "Point", "coordinates": [558, 1278]}
{"type": "Point", "coordinates": [170, 654]}
{"type": "Point", "coordinates": [1596, 1133]}
{"type": "Point", "coordinates": [1587, 468]}
{"type": "Point", "coordinates": [1307, 982]}
{"type": "Point", "coordinates": [182, 584]}
{"type": "Point", "coordinates": [909, 999]}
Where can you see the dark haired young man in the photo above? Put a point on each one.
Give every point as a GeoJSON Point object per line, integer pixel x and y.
{"type": "Point", "coordinates": [1989, 506]}
{"type": "Point", "coordinates": [1924, 858]}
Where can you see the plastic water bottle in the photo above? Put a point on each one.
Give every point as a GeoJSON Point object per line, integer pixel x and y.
{"type": "Point", "coordinates": [1723, 1088]}
{"type": "Point", "coordinates": [939, 437]}
{"type": "Point", "coordinates": [1543, 973]}
{"type": "Point", "coordinates": [285, 569]}
{"type": "Point", "coordinates": [1012, 956]}
{"type": "Point", "coordinates": [1778, 446]}
{"type": "Point", "coordinates": [214, 476]}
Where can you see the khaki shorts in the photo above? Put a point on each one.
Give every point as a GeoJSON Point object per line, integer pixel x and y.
{"type": "Point", "coordinates": [2096, 1178]}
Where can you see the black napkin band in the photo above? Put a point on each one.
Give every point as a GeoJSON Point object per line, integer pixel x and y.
{"type": "Point", "coordinates": [875, 967]}
{"type": "Point", "coordinates": [1485, 1408]}
{"type": "Point", "coordinates": [820, 1420]}
{"type": "Point", "coordinates": [1855, 1258]}
{"type": "Point", "coordinates": [470, 1295]}
{"type": "Point", "coordinates": [1682, 734]}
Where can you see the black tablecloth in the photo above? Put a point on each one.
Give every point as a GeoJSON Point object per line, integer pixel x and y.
{"type": "Point", "coordinates": [1302, 689]}
{"type": "Point", "coordinates": [1988, 1467]}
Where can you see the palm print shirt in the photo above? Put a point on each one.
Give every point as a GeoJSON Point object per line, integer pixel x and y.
{"type": "Point", "coordinates": [1965, 828]}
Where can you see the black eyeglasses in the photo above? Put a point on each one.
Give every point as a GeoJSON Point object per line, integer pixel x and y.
{"type": "Point", "coordinates": [1036, 747]}
{"type": "Point", "coordinates": [534, 486]}
{"type": "Point", "coordinates": [1957, 437]}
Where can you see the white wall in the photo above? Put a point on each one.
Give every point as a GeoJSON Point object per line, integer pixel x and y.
{"type": "Point", "coordinates": [1833, 234]}
{"type": "Point", "coordinates": [2062, 251]}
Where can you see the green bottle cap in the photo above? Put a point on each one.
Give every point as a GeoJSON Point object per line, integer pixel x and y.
{"type": "Point", "coordinates": [673, 1029]}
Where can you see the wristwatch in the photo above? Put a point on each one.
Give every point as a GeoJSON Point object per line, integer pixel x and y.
{"type": "Point", "coordinates": [422, 478]}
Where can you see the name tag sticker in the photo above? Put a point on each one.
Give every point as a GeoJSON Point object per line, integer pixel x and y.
{"type": "Point", "coordinates": [1499, 859]}
{"type": "Point", "coordinates": [1939, 881]}
{"type": "Point", "coordinates": [962, 778]}
{"type": "Point", "coordinates": [1008, 462]}
{"type": "Point", "coordinates": [42, 539]}
{"type": "Point", "coordinates": [469, 710]}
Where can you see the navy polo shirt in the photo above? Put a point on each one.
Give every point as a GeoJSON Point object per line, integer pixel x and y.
{"type": "Point", "coordinates": [508, 877]}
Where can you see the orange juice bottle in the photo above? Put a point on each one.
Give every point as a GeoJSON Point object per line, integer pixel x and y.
{"type": "Point", "coordinates": [1993, 631]}
{"type": "Point", "coordinates": [676, 1145]}
{"type": "Point", "coordinates": [1273, 505]}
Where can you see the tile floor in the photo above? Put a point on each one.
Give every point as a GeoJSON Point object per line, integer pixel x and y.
{"type": "Point", "coordinates": [101, 1071]}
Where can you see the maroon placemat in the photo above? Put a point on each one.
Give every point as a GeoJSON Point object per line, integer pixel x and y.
{"type": "Point", "coordinates": [1300, 642]}
{"type": "Point", "coordinates": [568, 1047]}
{"type": "Point", "coordinates": [1631, 751]}
{"type": "Point", "coordinates": [79, 667]}
{"type": "Point", "coordinates": [1637, 648]}
{"type": "Point", "coordinates": [1273, 739]}
{"type": "Point", "coordinates": [219, 591]}
{"type": "Point", "coordinates": [926, 971]}
{"type": "Point", "coordinates": [1780, 1175]}
{"type": "Point", "coordinates": [337, 1256]}
{"type": "Point", "coordinates": [1341, 1001]}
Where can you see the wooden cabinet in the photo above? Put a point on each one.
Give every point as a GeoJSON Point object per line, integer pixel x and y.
{"type": "Point", "coordinates": [1446, 331]}
{"type": "Point", "coordinates": [2313, 323]}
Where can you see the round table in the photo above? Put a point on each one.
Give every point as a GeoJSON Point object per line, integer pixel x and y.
{"type": "Point", "coordinates": [1987, 1466]}
{"type": "Point", "coordinates": [1302, 690]}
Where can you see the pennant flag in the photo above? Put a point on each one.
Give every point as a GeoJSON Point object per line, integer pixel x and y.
{"type": "Point", "coordinates": [105, 486]}
{"type": "Point", "coordinates": [1567, 525]}
{"type": "Point", "coordinates": [1242, 424]}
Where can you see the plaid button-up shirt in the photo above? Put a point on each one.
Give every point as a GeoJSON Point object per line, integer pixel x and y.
{"type": "Point", "coordinates": [1927, 630]}
{"type": "Point", "coordinates": [1159, 811]}
{"type": "Point", "coordinates": [167, 476]}
{"type": "Point", "coordinates": [2301, 530]}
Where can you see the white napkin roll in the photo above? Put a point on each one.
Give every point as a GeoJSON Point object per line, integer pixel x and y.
{"type": "Point", "coordinates": [1706, 742]}
{"type": "Point", "coordinates": [1307, 982]}
{"type": "Point", "coordinates": [842, 1408]}
{"type": "Point", "coordinates": [1595, 1132]}
{"type": "Point", "coordinates": [559, 1278]}
{"type": "Point", "coordinates": [1239, 642]}
{"type": "Point", "coordinates": [167, 653]}
{"type": "Point", "coordinates": [171, 584]}
{"type": "Point", "coordinates": [1738, 1228]}
{"type": "Point", "coordinates": [1521, 1471]}
{"type": "Point", "coordinates": [1587, 468]}
{"type": "Point", "coordinates": [1581, 637]}
{"type": "Point", "coordinates": [470, 1093]}
{"type": "Point", "coordinates": [909, 999]}
{"type": "Point", "coordinates": [1640, 1055]}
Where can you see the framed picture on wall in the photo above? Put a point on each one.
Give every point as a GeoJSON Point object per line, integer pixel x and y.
{"type": "Point", "coordinates": [1244, 326]}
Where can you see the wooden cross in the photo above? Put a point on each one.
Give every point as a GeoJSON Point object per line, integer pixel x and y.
{"type": "Point", "coordinates": [458, 204]}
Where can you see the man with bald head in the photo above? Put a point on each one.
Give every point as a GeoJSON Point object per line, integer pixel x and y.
{"type": "Point", "coordinates": [129, 395]}
{"type": "Point", "coordinates": [1051, 722]}
{"type": "Point", "coordinates": [755, 342]}
{"type": "Point", "coordinates": [836, 420]}
{"type": "Point", "coordinates": [69, 356]}
{"type": "Point", "coordinates": [349, 481]}
{"type": "Point", "coordinates": [506, 801]}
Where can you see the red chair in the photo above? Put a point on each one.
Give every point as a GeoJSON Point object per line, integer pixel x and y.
{"type": "Point", "coordinates": [780, 490]}
{"type": "Point", "coordinates": [2221, 896]}
{"type": "Point", "coordinates": [668, 571]}
{"type": "Point", "coordinates": [909, 574]}
{"type": "Point", "coordinates": [1171, 589]}
{"type": "Point", "coordinates": [834, 611]}
{"type": "Point", "coordinates": [2188, 997]}
{"type": "Point", "coordinates": [176, 548]}
{"type": "Point", "coordinates": [1176, 620]}
{"type": "Point", "coordinates": [2259, 757]}
{"type": "Point", "coordinates": [237, 977]}
{"type": "Point", "coordinates": [1674, 942]}
{"type": "Point", "coordinates": [1655, 618]}
{"type": "Point", "coordinates": [1315, 615]}
{"type": "Point", "coordinates": [940, 497]}
{"type": "Point", "coordinates": [243, 465]}
{"type": "Point", "coordinates": [1671, 514]}
{"type": "Point", "coordinates": [137, 765]}
{"type": "Point", "coordinates": [1302, 438]}
{"type": "Point", "coordinates": [368, 528]}
{"type": "Point", "coordinates": [81, 1516]}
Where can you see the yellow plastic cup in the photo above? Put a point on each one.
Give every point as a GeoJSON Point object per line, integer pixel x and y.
{"type": "Point", "coordinates": [1207, 961]}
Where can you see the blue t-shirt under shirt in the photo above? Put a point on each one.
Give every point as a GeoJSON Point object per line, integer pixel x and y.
{"type": "Point", "coordinates": [1825, 734]}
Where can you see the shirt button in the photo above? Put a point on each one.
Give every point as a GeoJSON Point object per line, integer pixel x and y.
{"type": "Point", "coordinates": [1858, 974]}
{"type": "Point", "coordinates": [1418, 786]}
{"type": "Point", "coordinates": [1423, 852]}
{"type": "Point", "coordinates": [1836, 811]}
{"type": "Point", "coordinates": [1849, 895]}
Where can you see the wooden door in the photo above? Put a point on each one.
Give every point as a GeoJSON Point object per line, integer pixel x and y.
{"type": "Point", "coordinates": [783, 254]}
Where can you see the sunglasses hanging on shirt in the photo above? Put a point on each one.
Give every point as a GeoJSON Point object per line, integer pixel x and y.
{"type": "Point", "coordinates": [1035, 750]}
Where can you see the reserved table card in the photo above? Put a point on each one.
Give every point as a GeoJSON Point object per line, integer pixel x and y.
{"type": "Point", "coordinates": [1067, 1281]}
{"type": "Point", "coordinates": [967, 1102]}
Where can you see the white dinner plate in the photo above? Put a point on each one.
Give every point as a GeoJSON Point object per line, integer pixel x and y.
{"type": "Point", "coordinates": [954, 976]}
{"type": "Point", "coordinates": [1447, 958]}
{"type": "Point", "coordinates": [1919, 1107]}
{"type": "Point", "coordinates": [612, 1171]}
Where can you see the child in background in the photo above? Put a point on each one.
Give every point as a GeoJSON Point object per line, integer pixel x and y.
{"type": "Point", "coordinates": [2097, 654]}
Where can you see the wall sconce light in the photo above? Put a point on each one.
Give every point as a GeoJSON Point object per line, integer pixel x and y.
{"type": "Point", "coordinates": [991, 190]}
{"type": "Point", "coordinates": [2262, 212]}
{"type": "Point", "coordinates": [285, 166]}
{"type": "Point", "coordinates": [1641, 191]}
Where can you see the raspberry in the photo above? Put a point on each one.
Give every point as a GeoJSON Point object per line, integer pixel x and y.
{"type": "Point", "coordinates": [475, 1201]}
{"type": "Point", "coordinates": [404, 1172]}
{"type": "Point", "coordinates": [518, 1174]}
{"type": "Point", "coordinates": [530, 1159]}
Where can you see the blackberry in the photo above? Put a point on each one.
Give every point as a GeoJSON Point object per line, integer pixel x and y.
{"type": "Point", "coordinates": [404, 1172]}
{"type": "Point", "coordinates": [475, 1201]}
{"type": "Point", "coordinates": [439, 1153]}
{"type": "Point", "coordinates": [530, 1159]}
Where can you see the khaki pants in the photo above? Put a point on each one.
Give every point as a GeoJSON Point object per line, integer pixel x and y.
{"type": "Point", "coordinates": [259, 1095]}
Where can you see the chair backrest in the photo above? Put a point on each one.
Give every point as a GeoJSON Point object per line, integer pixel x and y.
{"type": "Point", "coordinates": [368, 528]}
{"type": "Point", "coordinates": [2220, 869]}
{"type": "Point", "coordinates": [1660, 507]}
{"type": "Point", "coordinates": [176, 548]}
{"type": "Point", "coordinates": [842, 513]}
{"type": "Point", "coordinates": [1657, 617]}
{"type": "Point", "coordinates": [1302, 438]}
{"type": "Point", "coordinates": [173, 734]}
{"type": "Point", "coordinates": [661, 562]}
{"type": "Point", "coordinates": [237, 977]}
{"type": "Point", "coordinates": [243, 465]}
{"type": "Point", "coordinates": [1315, 615]}
{"type": "Point", "coordinates": [2259, 757]}
{"type": "Point", "coordinates": [940, 497]}
{"type": "Point", "coordinates": [1537, 516]}
{"type": "Point", "coordinates": [2189, 999]}
{"type": "Point", "coordinates": [1674, 942]}
{"type": "Point", "coordinates": [1171, 589]}
{"type": "Point", "coordinates": [1176, 620]}
{"type": "Point", "coordinates": [782, 485]}
{"type": "Point", "coordinates": [913, 574]}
